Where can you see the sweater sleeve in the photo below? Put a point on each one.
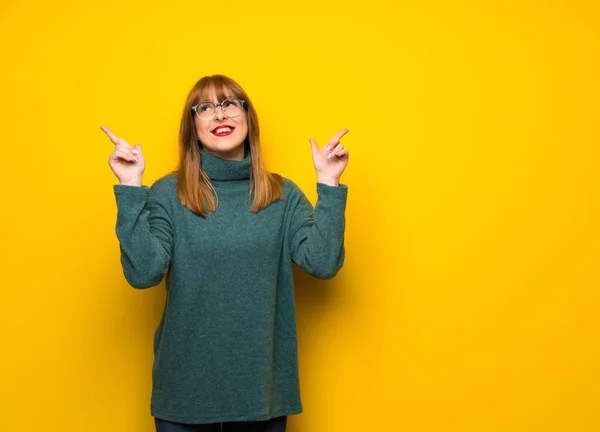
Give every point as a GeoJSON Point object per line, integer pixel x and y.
{"type": "Point", "coordinates": [145, 233]}
{"type": "Point", "coordinates": [317, 234]}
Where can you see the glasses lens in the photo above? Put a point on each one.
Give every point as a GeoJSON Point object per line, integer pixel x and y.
{"type": "Point", "coordinates": [232, 107]}
{"type": "Point", "coordinates": [205, 110]}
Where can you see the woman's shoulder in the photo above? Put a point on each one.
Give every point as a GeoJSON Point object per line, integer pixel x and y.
{"type": "Point", "coordinates": [289, 185]}
{"type": "Point", "coordinates": [291, 188]}
{"type": "Point", "coordinates": [165, 186]}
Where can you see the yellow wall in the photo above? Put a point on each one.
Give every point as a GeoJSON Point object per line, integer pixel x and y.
{"type": "Point", "coordinates": [469, 299]}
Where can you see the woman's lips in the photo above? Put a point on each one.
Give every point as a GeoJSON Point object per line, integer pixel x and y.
{"type": "Point", "coordinates": [223, 133]}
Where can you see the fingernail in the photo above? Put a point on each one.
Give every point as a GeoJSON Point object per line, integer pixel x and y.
{"type": "Point", "coordinates": [328, 148]}
{"type": "Point", "coordinates": [136, 152]}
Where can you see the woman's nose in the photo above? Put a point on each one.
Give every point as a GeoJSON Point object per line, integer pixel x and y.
{"type": "Point", "coordinates": [220, 112]}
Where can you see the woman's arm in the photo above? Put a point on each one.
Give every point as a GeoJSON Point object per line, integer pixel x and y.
{"type": "Point", "coordinates": [144, 228]}
{"type": "Point", "coordinates": [317, 234]}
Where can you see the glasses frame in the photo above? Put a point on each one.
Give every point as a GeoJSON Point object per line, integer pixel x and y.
{"type": "Point", "coordinates": [217, 105]}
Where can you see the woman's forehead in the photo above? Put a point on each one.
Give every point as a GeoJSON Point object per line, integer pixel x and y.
{"type": "Point", "coordinates": [215, 94]}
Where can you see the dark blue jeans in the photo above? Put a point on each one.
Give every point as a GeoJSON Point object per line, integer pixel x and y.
{"type": "Point", "coordinates": [276, 424]}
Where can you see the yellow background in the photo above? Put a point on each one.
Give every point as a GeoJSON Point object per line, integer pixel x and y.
{"type": "Point", "coordinates": [469, 298]}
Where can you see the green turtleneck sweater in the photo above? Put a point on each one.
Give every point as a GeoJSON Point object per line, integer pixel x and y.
{"type": "Point", "coordinates": [226, 348]}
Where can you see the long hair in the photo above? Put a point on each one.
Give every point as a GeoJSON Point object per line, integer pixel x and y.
{"type": "Point", "coordinates": [194, 188]}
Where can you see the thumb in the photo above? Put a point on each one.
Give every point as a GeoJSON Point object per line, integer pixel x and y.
{"type": "Point", "coordinates": [313, 145]}
{"type": "Point", "coordinates": [137, 149]}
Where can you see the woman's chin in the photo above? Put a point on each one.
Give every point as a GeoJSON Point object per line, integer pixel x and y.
{"type": "Point", "coordinates": [226, 149]}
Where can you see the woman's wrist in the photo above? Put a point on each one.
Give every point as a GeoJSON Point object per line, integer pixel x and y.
{"type": "Point", "coordinates": [328, 180]}
{"type": "Point", "coordinates": [135, 182]}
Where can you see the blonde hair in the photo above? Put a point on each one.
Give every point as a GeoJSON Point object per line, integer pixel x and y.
{"type": "Point", "coordinates": [194, 188]}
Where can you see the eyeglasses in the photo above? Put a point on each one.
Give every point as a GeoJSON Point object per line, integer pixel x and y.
{"type": "Point", "coordinates": [231, 106]}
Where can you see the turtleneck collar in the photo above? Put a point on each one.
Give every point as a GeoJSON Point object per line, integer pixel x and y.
{"type": "Point", "coordinates": [217, 168]}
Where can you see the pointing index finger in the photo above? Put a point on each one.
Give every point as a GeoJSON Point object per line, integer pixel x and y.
{"type": "Point", "coordinates": [110, 134]}
{"type": "Point", "coordinates": [338, 136]}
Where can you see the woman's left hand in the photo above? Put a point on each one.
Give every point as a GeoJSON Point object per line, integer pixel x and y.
{"type": "Point", "coordinates": [331, 160]}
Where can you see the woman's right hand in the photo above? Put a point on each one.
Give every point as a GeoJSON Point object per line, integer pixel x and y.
{"type": "Point", "coordinates": [125, 161]}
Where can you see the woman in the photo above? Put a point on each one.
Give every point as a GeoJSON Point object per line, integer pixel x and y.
{"type": "Point", "coordinates": [225, 232]}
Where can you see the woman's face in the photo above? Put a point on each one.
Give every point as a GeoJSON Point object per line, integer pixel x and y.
{"type": "Point", "coordinates": [222, 135]}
